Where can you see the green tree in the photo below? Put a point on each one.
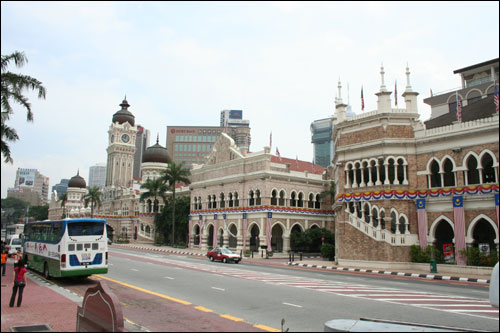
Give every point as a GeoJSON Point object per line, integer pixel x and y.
{"type": "Point", "coordinates": [155, 189]}
{"type": "Point", "coordinates": [63, 198]}
{"type": "Point", "coordinates": [94, 197]}
{"type": "Point", "coordinates": [12, 89]}
{"type": "Point", "coordinates": [176, 173]}
{"type": "Point", "coordinates": [14, 208]}
{"type": "Point", "coordinates": [181, 218]}
{"type": "Point", "coordinates": [39, 213]}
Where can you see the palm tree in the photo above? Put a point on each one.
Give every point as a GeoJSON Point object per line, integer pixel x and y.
{"type": "Point", "coordinates": [63, 198]}
{"type": "Point", "coordinates": [12, 87]}
{"type": "Point", "coordinates": [156, 188]}
{"type": "Point", "coordinates": [176, 173]}
{"type": "Point", "coordinates": [94, 197]}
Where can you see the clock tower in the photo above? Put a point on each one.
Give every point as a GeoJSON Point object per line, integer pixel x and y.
{"type": "Point", "coordinates": [121, 148]}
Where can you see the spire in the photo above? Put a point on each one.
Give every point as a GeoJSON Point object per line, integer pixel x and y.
{"type": "Point", "coordinates": [158, 138]}
{"type": "Point", "coordinates": [382, 86]}
{"type": "Point", "coordinates": [339, 99]}
{"type": "Point", "coordinates": [408, 85]}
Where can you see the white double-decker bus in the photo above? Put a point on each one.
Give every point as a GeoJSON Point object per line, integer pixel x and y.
{"type": "Point", "coordinates": [70, 247]}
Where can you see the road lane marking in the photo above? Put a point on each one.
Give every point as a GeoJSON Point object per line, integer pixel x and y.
{"type": "Point", "coordinates": [267, 328]}
{"type": "Point", "coordinates": [168, 277]}
{"type": "Point", "coordinates": [133, 269]}
{"type": "Point", "coordinates": [148, 291]}
{"type": "Point", "coordinates": [231, 317]}
{"type": "Point", "coordinates": [218, 289]}
{"type": "Point", "coordinates": [204, 309]}
{"type": "Point", "coordinates": [297, 306]}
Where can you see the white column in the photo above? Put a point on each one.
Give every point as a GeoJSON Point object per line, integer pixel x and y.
{"type": "Point", "coordinates": [386, 166]}
{"type": "Point", "coordinates": [370, 183]}
{"type": "Point", "coordinates": [347, 180]}
{"type": "Point", "coordinates": [355, 184]}
{"type": "Point", "coordinates": [405, 174]}
{"type": "Point", "coordinates": [362, 176]}
{"type": "Point", "coordinates": [378, 182]}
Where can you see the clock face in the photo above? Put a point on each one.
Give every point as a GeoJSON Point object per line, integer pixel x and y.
{"type": "Point", "coordinates": [125, 138]}
{"type": "Point", "coordinates": [112, 138]}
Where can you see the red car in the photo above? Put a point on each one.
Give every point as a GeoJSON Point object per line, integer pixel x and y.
{"type": "Point", "coordinates": [223, 254]}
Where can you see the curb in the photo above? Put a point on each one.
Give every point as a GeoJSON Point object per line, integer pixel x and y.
{"type": "Point", "coordinates": [160, 250]}
{"type": "Point", "coordinates": [425, 276]}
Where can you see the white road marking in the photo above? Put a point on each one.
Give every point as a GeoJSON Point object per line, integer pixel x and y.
{"type": "Point", "coordinates": [135, 270]}
{"type": "Point", "coordinates": [218, 289]}
{"type": "Point", "coordinates": [168, 277]}
{"type": "Point", "coordinates": [297, 306]}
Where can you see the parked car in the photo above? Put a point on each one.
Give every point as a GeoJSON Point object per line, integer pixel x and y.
{"type": "Point", "coordinates": [223, 254]}
{"type": "Point", "coordinates": [13, 244]}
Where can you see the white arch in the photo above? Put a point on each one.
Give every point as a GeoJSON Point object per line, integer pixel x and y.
{"type": "Point", "coordinates": [469, 237]}
{"type": "Point", "coordinates": [441, 164]}
{"type": "Point", "coordinates": [293, 225]}
{"type": "Point", "coordinates": [452, 96]}
{"type": "Point", "coordinates": [471, 91]}
{"type": "Point", "coordinates": [481, 155]}
{"type": "Point", "coordinates": [432, 231]}
{"type": "Point", "coordinates": [314, 224]}
{"type": "Point", "coordinates": [428, 167]}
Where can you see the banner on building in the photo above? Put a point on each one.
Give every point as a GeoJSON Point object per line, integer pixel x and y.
{"type": "Point", "coordinates": [269, 222]}
{"type": "Point", "coordinates": [459, 224]}
{"type": "Point", "coordinates": [422, 223]}
{"type": "Point", "coordinates": [449, 255]}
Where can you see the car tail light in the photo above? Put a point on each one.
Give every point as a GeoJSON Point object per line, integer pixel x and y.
{"type": "Point", "coordinates": [63, 261]}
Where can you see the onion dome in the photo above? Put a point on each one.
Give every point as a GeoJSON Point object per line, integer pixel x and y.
{"type": "Point", "coordinates": [124, 115]}
{"type": "Point", "coordinates": [77, 181]}
{"type": "Point", "coordinates": [156, 154]}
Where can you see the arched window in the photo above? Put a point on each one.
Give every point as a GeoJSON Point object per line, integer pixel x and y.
{"type": "Point", "coordinates": [310, 203]}
{"type": "Point", "coordinates": [230, 199]}
{"type": "Point", "coordinates": [222, 201]}
{"type": "Point", "coordinates": [401, 171]}
{"type": "Point", "coordinates": [358, 174]}
{"type": "Point", "coordinates": [394, 220]}
{"type": "Point", "coordinates": [366, 174]}
{"type": "Point", "coordinates": [257, 198]}
{"type": "Point", "coordinates": [214, 201]}
{"type": "Point", "coordinates": [488, 170]}
{"type": "Point", "coordinates": [382, 220]}
{"type": "Point", "coordinates": [403, 225]}
{"type": "Point", "coordinates": [195, 204]}
{"type": "Point", "coordinates": [236, 200]}
{"type": "Point", "coordinates": [301, 200]}
{"type": "Point", "coordinates": [367, 213]}
{"type": "Point", "coordinates": [435, 175]}
{"type": "Point", "coordinates": [391, 172]}
{"type": "Point", "coordinates": [351, 207]}
{"type": "Point", "coordinates": [293, 199]}
{"type": "Point", "coordinates": [472, 171]}
{"type": "Point", "coordinates": [375, 217]}
{"type": "Point", "coordinates": [449, 176]}
{"type": "Point", "coordinates": [209, 202]}
{"type": "Point", "coordinates": [317, 204]}
{"type": "Point", "coordinates": [251, 201]}
{"type": "Point", "coordinates": [381, 168]}
{"type": "Point", "coordinates": [282, 198]}
{"type": "Point", "coordinates": [350, 174]}
{"type": "Point", "coordinates": [274, 198]}
{"type": "Point", "coordinates": [359, 210]}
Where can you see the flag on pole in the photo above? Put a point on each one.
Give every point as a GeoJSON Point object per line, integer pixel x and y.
{"type": "Point", "coordinates": [431, 93]}
{"type": "Point", "coordinates": [495, 97]}
{"type": "Point", "coordinates": [297, 161]}
{"type": "Point", "coordinates": [362, 100]}
{"type": "Point", "coordinates": [278, 153]}
{"type": "Point", "coordinates": [459, 224]}
{"type": "Point", "coordinates": [459, 108]}
{"type": "Point", "coordinates": [496, 207]}
{"type": "Point", "coordinates": [271, 140]}
{"type": "Point", "coordinates": [269, 222]}
{"type": "Point", "coordinates": [313, 164]}
{"type": "Point", "coordinates": [396, 92]}
{"type": "Point", "coordinates": [422, 223]}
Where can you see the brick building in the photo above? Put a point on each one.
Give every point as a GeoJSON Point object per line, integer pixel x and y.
{"type": "Point", "coordinates": [387, 162]}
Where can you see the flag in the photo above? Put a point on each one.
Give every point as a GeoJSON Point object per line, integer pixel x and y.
{"type": "Point", "coordinates": [495, 98]}
{"type": "Point", "coordinates": [278, 153]}
{"type": "Point", "coordinates": [244, 230]}
{"type": "Point", "coordinates": [271, 140]}
{"type": "Point", "coordinates": [362, 100]}
{"type": "Point", "coordinates": [431, 93]}
{"type": "Point", "coordinates": [396, 92]}
{"type": "Point", "coordinates": [214, 239]}
{"type": "Point", "coordinates": [269, 222]}
{"type": "Point", "coordinates": [313, 164]}
{"type": "Point", "coordinates": [422, 223]}
{"type": "Point", "coordinates": [297, 161]}
{"type": "Point", "coordinates": [459, 224]}
{"type": "Point", "coordinates": [459, 108]}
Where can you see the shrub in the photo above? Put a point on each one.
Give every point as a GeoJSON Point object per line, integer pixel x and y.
{"type": "Point", "coordinates": [328, 251]}
{"type": "Point", "coordinates": [247, 253]}
{"type": "Point", "coordinates": [475, 258]}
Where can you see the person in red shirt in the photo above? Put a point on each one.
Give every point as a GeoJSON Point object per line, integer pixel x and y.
{"type": "Point", "coordinates": [4, 261]}
{"type": "Point", "coordinates": [19, 283]}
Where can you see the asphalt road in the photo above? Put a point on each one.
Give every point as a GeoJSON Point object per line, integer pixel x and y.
{"type": "Point", "coordinates": [264, 295]}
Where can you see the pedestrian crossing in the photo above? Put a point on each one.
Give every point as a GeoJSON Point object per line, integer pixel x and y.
{"type": "Point", "coordinates": [453, 304]}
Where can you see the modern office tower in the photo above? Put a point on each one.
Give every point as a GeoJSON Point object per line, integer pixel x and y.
{"type": "Point", "coordinates": [236, 127]}
{"type": "Point", "coordinates": [62, 187]}
{"type": "Point", "coordinates": [97, 175]}
{"type": "Point", "coordinates": [34, 180]}
{"type": "Point", "coordinates": [191, 144]}
{"type": "Point", "coordinates": [321, 138]}
{"type": "Point", "coordinates": [141, 143]}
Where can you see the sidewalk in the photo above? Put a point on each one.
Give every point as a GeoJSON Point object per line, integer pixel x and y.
{"type": "Point", "coordinates": [318, 263]}
{"type": "Point", "coordinates": [40, 306]}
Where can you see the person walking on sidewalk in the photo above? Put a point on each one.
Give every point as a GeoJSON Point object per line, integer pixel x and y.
{"type": "Point", "coordinates": [4, 261]}
{"type": "Point", "coordinates": [19, 283]}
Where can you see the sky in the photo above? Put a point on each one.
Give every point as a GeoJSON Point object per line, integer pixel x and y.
{"type": "Point", "coordinates": [181, 63]}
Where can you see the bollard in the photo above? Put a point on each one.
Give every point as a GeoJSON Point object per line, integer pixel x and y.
{"type": "Point", "coordinates": [433, 266]}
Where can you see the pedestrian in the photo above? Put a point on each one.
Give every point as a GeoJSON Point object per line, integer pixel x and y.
{"type": "Point", "coordinates": [18, 283]}
{"type": "Point", "coordinates": [18, 256]}
{"type": "Point", "coordinates": [4, 261]}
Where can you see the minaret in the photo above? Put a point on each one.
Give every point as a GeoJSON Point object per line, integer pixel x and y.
{"type": "Point", "coordinates": [340, 107]}
{"type": "Point", "coordinates": [409, 95]}
{"type": "Point", "coordinates": [384, 96]}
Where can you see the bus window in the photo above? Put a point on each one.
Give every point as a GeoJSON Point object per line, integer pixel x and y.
{"type": "Point", "coordinates": [85, 229]}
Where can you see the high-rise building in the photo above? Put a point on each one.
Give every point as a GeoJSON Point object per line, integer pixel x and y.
{"type": "Point", "coordinates": [191, 144]}
{"type": "Point", "coordinates": [62, 187]}
{"type": "Point", "coordinates": [236, 127]}
{"type": "Point", "coordinates": [141, 143]}
{"type": "Point", "coordinates": [321, 138]}
{"type": "Point", "coordinates": [97, 175]}
{"type": "Point", "coordinates": [34, 180]}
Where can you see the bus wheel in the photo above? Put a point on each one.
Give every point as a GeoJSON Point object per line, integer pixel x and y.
{"type": "Point", "coordinates": [46, 271]}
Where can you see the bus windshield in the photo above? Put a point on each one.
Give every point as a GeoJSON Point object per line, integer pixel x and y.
{"type": "Point", "coordinates": [85, 229]}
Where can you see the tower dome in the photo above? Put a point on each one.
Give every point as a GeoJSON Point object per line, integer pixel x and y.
{"type": "Point", "coordinates": [77, 181]}
{"type": "Point", "coordinates": [156, 154]}
{"type": "Point", "coordinates": [124, 114]}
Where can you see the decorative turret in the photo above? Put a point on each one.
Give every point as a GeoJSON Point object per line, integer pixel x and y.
{"type": "Point", "coordinates": [384, 96]}
{"type": "Point", "coordinates": [77, 181]}
{"type": "Point", "coordinates": [340, 107]}
{"type": "Point", "coordinates": [409, 95]}
{"type": "Point", "coordinates": [124, 114]}
{"type": "Point", "coordinates": [156, 154]}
